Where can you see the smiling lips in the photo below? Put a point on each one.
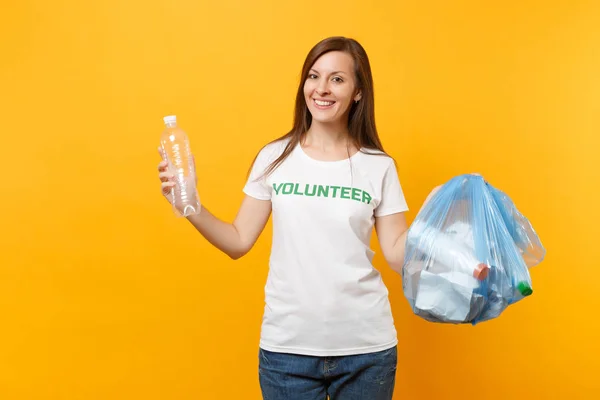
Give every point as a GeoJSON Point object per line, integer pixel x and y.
{"type": "Point", "coordinates": [323, 105]}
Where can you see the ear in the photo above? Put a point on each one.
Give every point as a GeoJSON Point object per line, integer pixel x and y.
{"type": "Point", "coordinates": [358, 96]}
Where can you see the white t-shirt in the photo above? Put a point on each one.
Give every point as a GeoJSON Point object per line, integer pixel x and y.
{"type": "Point", "coordinates": [323, 297]}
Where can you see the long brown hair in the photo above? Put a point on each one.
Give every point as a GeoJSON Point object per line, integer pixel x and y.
{"type": "Point", "coordinates": [361, 119]}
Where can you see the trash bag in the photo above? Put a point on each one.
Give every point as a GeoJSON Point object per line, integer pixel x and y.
{"type": "Point", "coordinates": [519, 228]}
{"type": "Point", "coordinates": [468, 254]}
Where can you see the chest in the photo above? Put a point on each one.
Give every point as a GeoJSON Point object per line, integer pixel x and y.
{"type": "Point", "coordinates": [341, 193]}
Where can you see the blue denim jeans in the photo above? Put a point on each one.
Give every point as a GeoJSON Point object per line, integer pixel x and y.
{"type": "Point", "coordinates": [369, 376]}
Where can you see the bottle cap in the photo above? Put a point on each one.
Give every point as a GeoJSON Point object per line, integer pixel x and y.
{"type": "Point", "coordinates": [170, 119]}
{"type": "Point", "coordinates": [524, 288]}
{"type": "Point", "coordinates": [481, 271]}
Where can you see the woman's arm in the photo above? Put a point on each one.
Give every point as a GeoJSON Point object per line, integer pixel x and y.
{"type": "Point", "coordinates": [237, 238]}
{"type": "Point", "coordinates": [234, 239]}
{"type": "Point", "coordinates": [392, 231]}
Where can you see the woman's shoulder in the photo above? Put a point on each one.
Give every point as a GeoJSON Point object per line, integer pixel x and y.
{"type": "Point", "coordinates": [373, 152]}
{"type": "Point", "coordinates": [376, 158]}
{"type": "Point", "coordinates": [272, 150]}
{"type": "Point", "coordinates": [277, 145]}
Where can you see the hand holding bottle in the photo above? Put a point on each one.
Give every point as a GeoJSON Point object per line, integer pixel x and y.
{"type": "Point", "coordinates": [177, 170]}
{"type": "Point", "coordinates": [167, 178]}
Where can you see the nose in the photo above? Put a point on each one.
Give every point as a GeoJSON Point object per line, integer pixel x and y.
{"type": "Point", "coordinates": [322, 89]}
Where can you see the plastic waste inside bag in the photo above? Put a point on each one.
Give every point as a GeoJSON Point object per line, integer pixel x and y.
{"type": "Point", "coordinates": [467, 254]}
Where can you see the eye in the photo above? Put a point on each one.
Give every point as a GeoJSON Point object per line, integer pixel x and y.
{"type": "Point", "coordinates": [312, 76]}
{"type": "Point", "coordinates": [338, 79]}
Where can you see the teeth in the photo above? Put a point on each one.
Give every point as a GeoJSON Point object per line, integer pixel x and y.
{"type": "Point", "coordinates": [324, 103]}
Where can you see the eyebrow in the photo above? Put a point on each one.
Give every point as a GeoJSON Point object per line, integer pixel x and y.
{"type": "Point", "coordinates": [334, 72]}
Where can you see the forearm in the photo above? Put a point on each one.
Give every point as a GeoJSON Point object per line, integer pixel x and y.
{"type": "Point", "coordinates": [223, 235]}
{"type": "Point", "coordinates": [398, 252]}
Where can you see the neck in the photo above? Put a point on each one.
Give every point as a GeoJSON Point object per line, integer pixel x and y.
{"type": "Point", "coordinates": [327, 135]}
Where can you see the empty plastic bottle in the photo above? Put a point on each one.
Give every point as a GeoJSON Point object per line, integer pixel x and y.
{"type": "Point", "coordinates": [447, 252]}
{"type": "Point", "coordinates": [177, 152]}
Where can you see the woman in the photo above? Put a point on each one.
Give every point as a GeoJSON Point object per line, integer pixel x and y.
{"type": "Point", "coordinates": [327, 328]}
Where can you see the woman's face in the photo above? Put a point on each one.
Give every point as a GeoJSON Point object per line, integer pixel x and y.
{"type": "Point", "coordinates": [330, 87]}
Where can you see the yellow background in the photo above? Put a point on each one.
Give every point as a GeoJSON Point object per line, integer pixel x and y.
{"type": "Point", "coordinates": [104, 294]}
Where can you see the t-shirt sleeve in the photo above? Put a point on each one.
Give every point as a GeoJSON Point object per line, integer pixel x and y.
{"type": "Point", "coordinates": [392, 196]}
{"type": "Point", "coordinates": [255, 187]}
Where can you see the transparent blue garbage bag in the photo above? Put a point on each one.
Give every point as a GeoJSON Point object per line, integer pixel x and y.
{"type": "Point", "coordinates": [468, 254]}
{"type": "Point", "coordinates": [519, 228]}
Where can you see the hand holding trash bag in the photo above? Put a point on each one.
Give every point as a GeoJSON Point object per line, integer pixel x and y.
{"type": "Point", "coordinates": [467, 253]}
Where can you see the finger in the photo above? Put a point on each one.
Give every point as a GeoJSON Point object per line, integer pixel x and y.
{"type": "Point", "coordinates": [166, 187]}
{"type": "Point", "coordinates": [162, 166]}
{"type": "Point", "coordinates": [165, 176]}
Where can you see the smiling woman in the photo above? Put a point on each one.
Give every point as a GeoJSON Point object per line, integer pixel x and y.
{"type": "Point", "coordinates": [327, 328]}
{"type": "Point", "coordinates": [106, 295]}
{"type": "Point", "coordinates": [331, 88]}
{"type": "Point", "coordinates": [335, 100]}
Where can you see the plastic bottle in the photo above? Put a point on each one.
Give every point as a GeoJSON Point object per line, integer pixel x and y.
{"type": "Point", "coordinates": [177, 152]}
{"type": "Point", "coordinates": [447, 253]}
